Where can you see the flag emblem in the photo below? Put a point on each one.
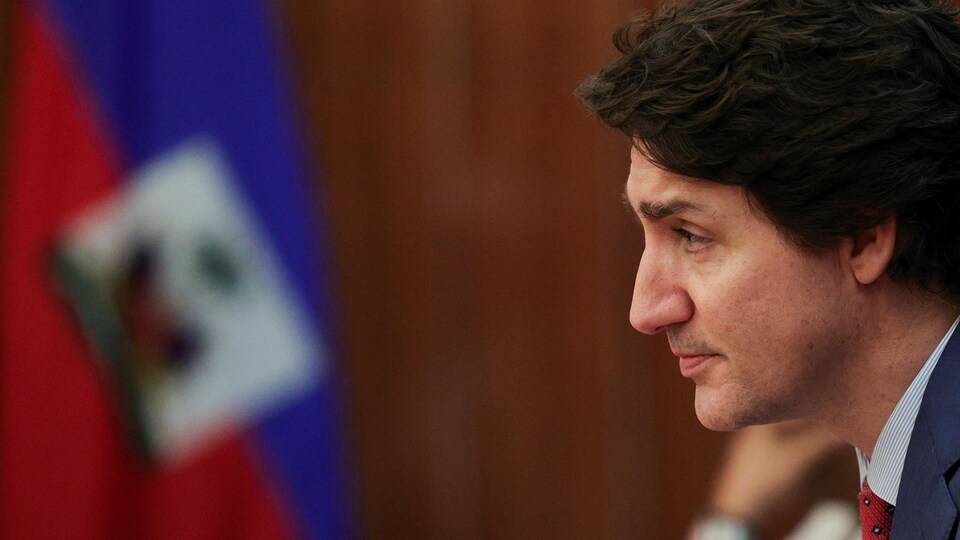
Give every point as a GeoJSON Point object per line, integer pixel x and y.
{"type": "Point", "coordinates": [185, 304]}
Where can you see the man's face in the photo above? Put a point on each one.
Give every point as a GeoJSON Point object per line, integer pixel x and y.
{"type": "Point", "coordinates": [761, 327]}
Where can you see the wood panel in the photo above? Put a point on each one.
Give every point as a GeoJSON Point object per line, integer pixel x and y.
{"type": "Point", "coordinates": [485, 266]}
{"type": "Point", "coordinates": [6, 46]}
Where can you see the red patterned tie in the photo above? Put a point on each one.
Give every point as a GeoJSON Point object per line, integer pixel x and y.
{"type": "Point", "coordinates": [876, 515]}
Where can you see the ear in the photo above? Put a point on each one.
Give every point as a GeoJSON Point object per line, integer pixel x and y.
{"type": "Point", "coordinates": [868, 252]}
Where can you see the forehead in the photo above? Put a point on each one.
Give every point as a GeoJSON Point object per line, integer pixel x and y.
{"type": "Point", "coordinates": [650, 185]}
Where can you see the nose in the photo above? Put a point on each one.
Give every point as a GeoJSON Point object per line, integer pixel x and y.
{"type": "Point", "coordinates": [659, 297]}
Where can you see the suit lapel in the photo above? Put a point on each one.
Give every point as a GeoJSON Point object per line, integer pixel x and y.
{"type": "Point", "coordinates": [925, 508]}
{"type": "Point", "coordinates": [925, 505]}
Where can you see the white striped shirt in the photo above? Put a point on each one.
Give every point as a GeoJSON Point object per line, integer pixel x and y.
{"type": "Point", "coordinates": [886, 465]}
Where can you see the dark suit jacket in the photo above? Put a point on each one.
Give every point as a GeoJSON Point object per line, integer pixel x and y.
{"type": "Point", "coordinates": [930, 486]}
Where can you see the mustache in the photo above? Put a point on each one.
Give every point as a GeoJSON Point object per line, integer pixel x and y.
{"type": "Point", "coordinates": [680, 342]}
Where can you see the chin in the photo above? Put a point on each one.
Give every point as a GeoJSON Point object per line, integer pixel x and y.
{"type": "Point", "coordinates": [716, 415]}
{"type": "Point", "coordinates": [718, 422]}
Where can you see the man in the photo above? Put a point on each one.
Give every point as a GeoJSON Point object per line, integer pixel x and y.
{"type": "Point", "coordinates": [796, 171]}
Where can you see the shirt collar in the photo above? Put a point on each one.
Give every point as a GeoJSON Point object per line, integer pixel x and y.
{"type": "Point", "coordinates": [886, 465]}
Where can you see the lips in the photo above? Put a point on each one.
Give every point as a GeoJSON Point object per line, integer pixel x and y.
{"type": "Point", "coordinates": [693, 363]}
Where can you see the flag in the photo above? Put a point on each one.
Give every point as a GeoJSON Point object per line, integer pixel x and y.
{"type": "Point", "coordinates": [167, 370]}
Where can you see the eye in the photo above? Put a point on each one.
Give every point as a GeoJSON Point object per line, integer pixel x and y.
{"type": "Point", "coordinates": [693, 242]}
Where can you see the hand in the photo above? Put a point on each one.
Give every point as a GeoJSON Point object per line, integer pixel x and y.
{"type": "Point", "coordinates": [765, 465]}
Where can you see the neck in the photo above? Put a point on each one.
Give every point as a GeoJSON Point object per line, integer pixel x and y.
{"type": "Point", "coordinates": [902, 330]}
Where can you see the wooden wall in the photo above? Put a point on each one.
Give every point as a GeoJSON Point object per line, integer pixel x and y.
{"type": "Point", "coordinates": [6, 12]}
{"type": "Point", "coordinates": [484, 266]}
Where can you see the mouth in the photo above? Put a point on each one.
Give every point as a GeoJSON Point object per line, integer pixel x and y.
{"type": "Point", "coordinates": [692, 364]}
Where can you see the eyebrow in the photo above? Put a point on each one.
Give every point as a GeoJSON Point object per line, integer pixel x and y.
{"type": "Point", "coordinates": [655, 211]}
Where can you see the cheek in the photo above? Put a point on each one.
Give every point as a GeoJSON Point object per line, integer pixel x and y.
{"type": "Point", "coordinates": [750, 308]}
{"type": "Point", "coordinates": [738, 292]}
{"type": "Point", "coordinates": [789, 306]}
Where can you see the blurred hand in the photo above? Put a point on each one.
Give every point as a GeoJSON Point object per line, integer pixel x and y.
{"type": "Point", "coordinates": [765, 465]}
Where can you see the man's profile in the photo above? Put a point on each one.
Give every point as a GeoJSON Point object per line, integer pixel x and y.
{"type": "Point", "coordinates": [796, 171]}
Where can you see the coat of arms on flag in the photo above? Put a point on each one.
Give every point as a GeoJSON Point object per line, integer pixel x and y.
{"type": "Point", "coordinates": [176, 286]}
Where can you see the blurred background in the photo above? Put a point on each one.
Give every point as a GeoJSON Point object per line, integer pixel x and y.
{"type": "Point", "coordinates": [474, 267]}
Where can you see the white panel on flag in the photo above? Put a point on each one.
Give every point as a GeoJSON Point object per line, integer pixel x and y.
{"type": "Point", "coordinates": [213, 334]}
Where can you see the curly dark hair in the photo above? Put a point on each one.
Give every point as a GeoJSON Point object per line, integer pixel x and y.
{"type": "Point", "coordinates": [833, 115]}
